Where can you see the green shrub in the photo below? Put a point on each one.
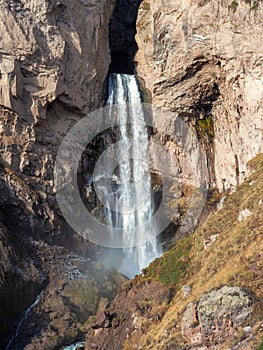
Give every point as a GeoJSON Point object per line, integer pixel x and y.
{"type": "Point", "coordinates": [205, 129]}
{"type": "Point", "coordinates": [173, 265]}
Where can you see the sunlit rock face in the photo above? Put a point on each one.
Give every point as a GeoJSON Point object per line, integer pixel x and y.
{"type": "Point", "coordinates": [53, 50]}
{"type": "Point", "coordinates": [54, 60]}
{"type": "Point", "coordinates": [201, 58]}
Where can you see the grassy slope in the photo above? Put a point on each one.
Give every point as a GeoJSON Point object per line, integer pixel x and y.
{"type": "Point", "coordinates": [235, 259]}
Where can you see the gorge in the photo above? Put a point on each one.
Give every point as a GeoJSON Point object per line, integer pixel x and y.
{"type": "Point", "coordinates": [200, 64]}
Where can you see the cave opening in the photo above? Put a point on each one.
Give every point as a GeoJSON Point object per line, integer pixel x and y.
{"type": "Point", "coordinates": [122, 31]}
{"type": "Point", "coordinates": [121, 62]}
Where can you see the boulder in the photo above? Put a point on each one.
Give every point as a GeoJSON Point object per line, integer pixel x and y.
{"type": "Point", "coordinates": [216, 316]}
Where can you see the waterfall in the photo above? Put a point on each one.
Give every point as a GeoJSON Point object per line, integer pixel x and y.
{"type": "Point", "coordinates": [79, 345]}
{"type": "Point", "coordinates": [20, 323]}
{"type": "Point", "coordinates": [131, 181]}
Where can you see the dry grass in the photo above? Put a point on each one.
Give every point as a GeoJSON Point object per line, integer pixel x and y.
{"type": "Point", "coordinates": [234, 259]}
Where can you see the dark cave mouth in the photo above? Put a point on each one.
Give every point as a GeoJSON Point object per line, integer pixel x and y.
{"type": "Point", "coordinates": [122, 32]}
{"type": "Point", "coordinates": [121, 63]}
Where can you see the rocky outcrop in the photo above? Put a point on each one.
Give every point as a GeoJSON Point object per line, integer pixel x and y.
{"type": "Point", "coordinates": [202, 59]}
{"type": "Point", "coordinates": [216, 316]}
{"type": "Point", "coordinates": [53, 50]}
{"type": "Point", "coordinates": [135, 307]}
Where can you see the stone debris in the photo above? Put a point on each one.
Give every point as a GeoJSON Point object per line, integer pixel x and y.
{"type": "Point", "coordinates": [209, 241]}
{"type": "Point", "coordinates": [243, 215]}
{"type": "Point", "coordinates": [187, 291]}
{"type": "Point", "coordinates": [221, 203]}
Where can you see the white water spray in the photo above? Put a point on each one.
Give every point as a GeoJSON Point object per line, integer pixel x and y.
{"type": "Point", "coordinates": [133, 202]}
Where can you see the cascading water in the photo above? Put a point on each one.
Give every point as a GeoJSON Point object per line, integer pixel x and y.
{"type": "Point", "coordinates": [20, 323]}
{"type": "Point", "coordinates": [133, 202]}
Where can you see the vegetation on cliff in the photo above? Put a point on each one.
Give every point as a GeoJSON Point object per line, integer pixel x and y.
{"type": "Point", "coordinates": [206, 291]}
{"type": "Point", "coordinates": [224, 251]}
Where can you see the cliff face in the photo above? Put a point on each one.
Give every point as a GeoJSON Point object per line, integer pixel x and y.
{"type": "Point", "coordinates": [203, 59]}
{"type": "Point", "coordinates": [53, 50]}
{"type": "Point", "coordinates": [53, 64]}
{"type": "Point", "coordinates": [54, 59]}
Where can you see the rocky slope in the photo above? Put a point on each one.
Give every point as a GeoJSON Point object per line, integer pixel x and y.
{"type": "Point", "coordinates": [205, 293]}
{"type": "Point", "coordinates": [203, 59]}
{"type": "Point", "coordinates": [71, 290]}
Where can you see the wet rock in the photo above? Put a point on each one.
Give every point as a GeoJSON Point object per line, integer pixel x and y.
{"type": "Point", "coordinates": [82, 296]}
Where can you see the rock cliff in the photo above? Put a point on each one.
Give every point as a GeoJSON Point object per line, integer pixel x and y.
{"type": "Point", "coordinates": [53, 51]}
{"type": "Point", "coordinates": [203, 59]}
{"type": "Point", "coordinates": [54, 60]}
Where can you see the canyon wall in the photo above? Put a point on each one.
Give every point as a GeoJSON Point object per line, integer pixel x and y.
{"type": "Point", "coordinates": [203, 60]}
{"type": "Point", "coordinates": [54, 60]}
